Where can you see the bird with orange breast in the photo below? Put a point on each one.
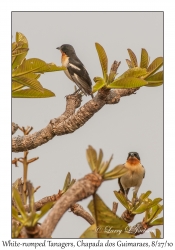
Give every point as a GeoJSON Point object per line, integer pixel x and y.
{"type": "Point", "coordinates": [76, 71]}
{"type": "Point", "coordinates": [133, 177]}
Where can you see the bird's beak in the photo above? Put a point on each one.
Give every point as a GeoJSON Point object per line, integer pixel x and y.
{"type": "Point", "coordinates": [132, 155]}
{"type": "Point", "coordinates": [58, 48]}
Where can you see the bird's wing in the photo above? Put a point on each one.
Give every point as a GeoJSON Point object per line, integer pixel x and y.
{"type": "Point", "coordinates": [81, 78]}
{"type": "Point", "coordinates": [143, 172]}
{"type": "Point", "coordinates": [120, 185]}
{"type": "Point", "coordinates": [119, 182]}
{"type": "Point", "coordinates": [79, 74]}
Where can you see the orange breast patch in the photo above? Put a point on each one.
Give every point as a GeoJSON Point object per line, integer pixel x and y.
{"type": "Point", "coordinates": [64, 59]}
{"type": "Point", "coordinates": [133, 161]}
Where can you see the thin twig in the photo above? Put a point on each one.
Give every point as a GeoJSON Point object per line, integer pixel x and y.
{"type": "Point", "coordinates": [114, 207]}
{"type": "Point", "coordinates": [79, 211]}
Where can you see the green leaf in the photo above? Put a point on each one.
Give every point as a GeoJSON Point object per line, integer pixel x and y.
{"type": "Point", "coordinates": [19, 51]}
{"type": "Point", "coordinates": [21, 42]}
{"type": "Point", "coordinates": [105, 167]}
{"type": "Point", "coordinates": [90, 232]}
{"type": "Point", "coordinates": [116, 172]}
{"type": "Point", "coordinates": [145, 195]}
{"type": "Point", "coordinates": [155, 80]}
{"type": "Point", "coordinates": [133, 58]}
{"type": "Point", "coordinates": [29, 82]}
{"type": "Point", "coordinates": [67, 182]}
{"type": "Point", "coordinates": [18, 58]}
{"type": "Point", "coordinates": [156, 222]}
{"type": "Point", "coordinates": [91, 156]}
{"type": "Point", "coordinates": [28, 66]}
{"type": "Point", "coordinates": [142, 208]}
{"type": "Point", "coordinates": [50, 67]}
{"type": "Point", "coordinates": [97, 79]}
{"type": "Point", "coordinates": [16, 86]}
{"type": "Point", "coordinates": [31, 93]}
{"type": "Point", "coordinates": [100, 157]}
{"type": "Point", "coordinates": [155, 211]}
{"type": "Point", "coordinates": [134, 72]}
{"type": "Point", "coordinates": [152, 84]}
{"type": "Point", "coordinates": [157, 235]}
{"type": "Point", "coordinates": [14, 46]}
{"type": "Point", "coordinates": [20, 37]}
{"type": "Point", "coordinates": [154, 202]}
{"type": "Point", "coordinates": [98, 85]}
{"type": "Point", "coordinates": [33, 75]}
{"type": "Point", "coordinates": [158, 211]}
{"type": "Point", "coordinates": [129, 82]}
{"type": "Point", "coordinates": [103, 59]}
{"type": "Point", "coordinates": [42, 212]}
{"type": "Point", "coordinates": [144, 61]}
{"type": "Point", "coordinates": [130, 65]}
{"type": "Point", "coordinates": [154, 66]}
{"type": "Point", "coordinates": [15, 214]}
{"type": "Point", "coordinates": [18, 203]}
{"type": "Point", "coordinates": [110, 225]}
{"type": "Point", "coordinates": [122, 199]}
{"type": "Point", "coordinates": [145, 206]}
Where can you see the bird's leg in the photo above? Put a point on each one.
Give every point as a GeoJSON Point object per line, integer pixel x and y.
{"type": "Point", "coordinates": [77, 91]}
{"type": "Point", "coordinates": [126, 194]}
{"type": "Point", "coordinates": [135, 198]}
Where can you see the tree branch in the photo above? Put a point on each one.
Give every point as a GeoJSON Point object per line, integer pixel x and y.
{"type": "Point", "coordinates": [139, 228]}
{"type": "Point", "coordinates": [127, 216]}
{"type": "Point", "coordinates": [70, 121]}
{"type": "Point", "coordinates": [79, 211]}
{"type": "Point", "coordinates": [114, 207]}
{"type": "Point", "coordinates": [14, 127]}
{"type": "Point", "coordinates": [81, 189]}
{"type": "Point", "coordinates": [39, 204]}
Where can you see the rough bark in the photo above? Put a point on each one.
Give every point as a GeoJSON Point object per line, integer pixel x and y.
{"type": "Point", "coordinates": [70, 121]}
{"type": "Point", "coordinates": [79, 211]}
{"type": "Point", "coordinates": [14, 127]}
{"type": "Point", "coordinates": [81, 189]}
{"type": "Point", "coordinates": [127, 216]}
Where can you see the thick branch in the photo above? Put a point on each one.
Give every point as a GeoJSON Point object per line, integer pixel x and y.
{"type": "Point", "coordinates": [81, 189]}
{"type": "Point", "coordinates": [127, 216]}
{"type": "Point", "coordinates": [14, 127]}
{"type": "Point", "coordinates": [139, 228]}
{"type": "Point", "coordinates": [70, 121]}
{"type": "Point", "coordinates": [79, 211]}
{"type": "Point", "coordinates": [27, 142]}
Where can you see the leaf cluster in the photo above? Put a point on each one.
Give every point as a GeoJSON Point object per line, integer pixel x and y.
{"type": "Point", "coordinates": [108, 224]}
{"type": "Point", "coordinates": [136, 76]}
{"type": "Point", "coordinates": [151, 208]}
{"type": "Point", "coordinates": [25, 72]}
{"type": "Point", "coordinates": [30, 219]}
{"type": "Point", "coordinates": [99, 166]}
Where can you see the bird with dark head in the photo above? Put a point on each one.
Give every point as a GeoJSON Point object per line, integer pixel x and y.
{"type": "Point", "coordinates": [76, 71]}
{"type": "Point", "coordinates": [134, 176]}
